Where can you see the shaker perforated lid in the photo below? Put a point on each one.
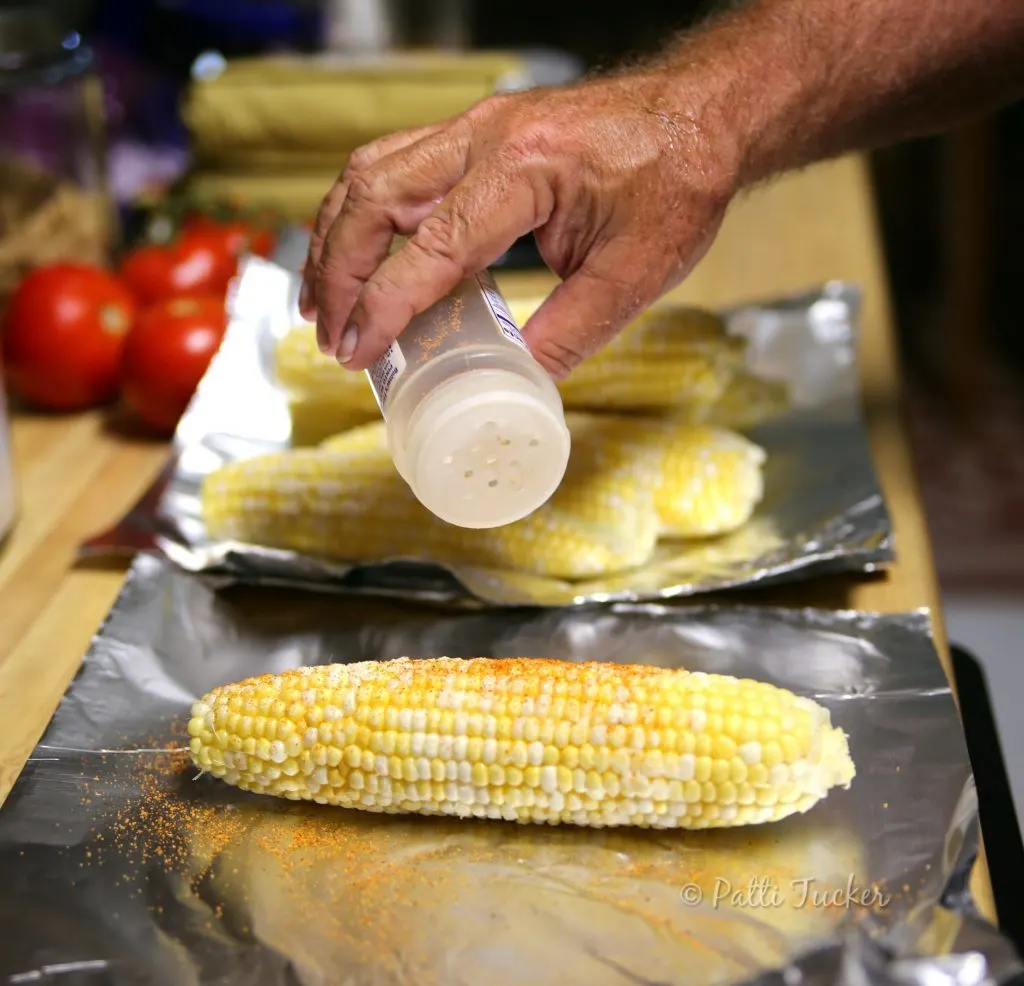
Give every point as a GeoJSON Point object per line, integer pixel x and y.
{"type": "Point", "coordinates": [486, 449]}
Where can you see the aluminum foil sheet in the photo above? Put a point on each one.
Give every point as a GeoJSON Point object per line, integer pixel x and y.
{"type": "Point", "coordinates": [823, 509]}
{"type": "Point", "coordinates": [120, 866]}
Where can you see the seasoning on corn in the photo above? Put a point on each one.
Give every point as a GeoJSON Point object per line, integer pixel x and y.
{"type": "Point", "coordinates": [525, 740]}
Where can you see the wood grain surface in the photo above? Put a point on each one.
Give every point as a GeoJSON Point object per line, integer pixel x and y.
{"type": "Point", "coordinates": [76, 475]}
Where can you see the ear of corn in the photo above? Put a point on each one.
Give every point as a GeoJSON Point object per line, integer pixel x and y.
{"type": "Point", "coordinates": [629, 482]}
{"type": "Point", "coordinates": [323, 399]}
{"type": "Point", "coordinates": [348, 502]}
{"type": "Point", "coordinates": [646, 382]}
{"type": "Point", "coordinates": [525, 740]}
{"type": "Point", "coordinates": [660, 330]}
{"type": "Point", "coordinates": [667, 358]}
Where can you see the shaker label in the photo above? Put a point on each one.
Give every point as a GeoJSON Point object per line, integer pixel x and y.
{"type": "Point", "coordinates": [499, 309]}
{"type": "Point", "coordinates": [385, 372]}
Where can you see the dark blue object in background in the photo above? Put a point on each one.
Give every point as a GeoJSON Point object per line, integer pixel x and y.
{"type": "Point", "coordinates": [173, 32]}
{"type": "Point", "coordinates": [147, 47]}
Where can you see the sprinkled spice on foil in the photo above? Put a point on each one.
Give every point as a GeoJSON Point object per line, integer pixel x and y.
{"type": "Point", "coordinates": [353, 880]}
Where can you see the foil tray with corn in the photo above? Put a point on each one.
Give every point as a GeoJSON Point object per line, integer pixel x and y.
{"type": "Point", "coordinates": [709, 451]}
{"type": "Point", "coordinates": [252, 785]}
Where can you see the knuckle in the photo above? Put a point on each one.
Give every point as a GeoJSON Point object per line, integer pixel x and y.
{"type": "Point", "coordinates": [381, 305]}
{"type": "Point", "coordinates": [367, 187]}
{"type": "Point", "coordinates": [379, 291]}
{"type": "Point", "coordinates": [438, 237]}
{"type": "Point", "coordinates": [316, 242]}
{"type": "Point", "coordinates": [533, 141]}
{"type": "Point", "coordinates": [326, 211]}
{"type": "Point", "coordinates": [360, 159]}
{"type": "Point", "coordinates": [331, 269]}
{"type": "Point", "coordinates": [486, 107]}
{"type": "Point", "coordinates": [560, 358]}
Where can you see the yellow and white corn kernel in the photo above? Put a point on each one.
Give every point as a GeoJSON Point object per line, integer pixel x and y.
{"type": "Point", "coordinates": [712, 479]}
{"type": "Point", "coordinates": [526, 740]}
{"type": "Point", "coordinates": [369, 437]}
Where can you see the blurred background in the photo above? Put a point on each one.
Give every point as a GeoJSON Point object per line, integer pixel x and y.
{"type": "Point", "coordinates": [169, 115]}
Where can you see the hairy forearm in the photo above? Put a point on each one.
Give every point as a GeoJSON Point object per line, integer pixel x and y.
{"type": "Point", "coordinates": [794, 81]}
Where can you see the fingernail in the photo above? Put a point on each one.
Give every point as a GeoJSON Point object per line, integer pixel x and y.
{"type": "Point", "coordinates": [305, 299]}
{"type": "Point", "coordinates": [322, 338]}
{"type": "Point", "coordinates": [349, 339]}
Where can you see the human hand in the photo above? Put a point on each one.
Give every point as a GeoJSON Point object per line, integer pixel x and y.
{"type": "Point", "coordinates": [623, 188]}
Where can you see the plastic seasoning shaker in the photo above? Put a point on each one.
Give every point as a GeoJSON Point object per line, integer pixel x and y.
{"type": "Point", "coordinates": [475, 425]}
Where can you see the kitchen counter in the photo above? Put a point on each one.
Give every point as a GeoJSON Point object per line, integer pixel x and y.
{"type": "Point", "coordinates": [77, 475]}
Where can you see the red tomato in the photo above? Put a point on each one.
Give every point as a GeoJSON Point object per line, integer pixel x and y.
{"type": "Point", "coordinates": [238, 236]}
{"type": "Point", "coordinates": [166, 355]}
{"type": "Point", "coordinates": [199, 263]}
{"type": "Point", "coordinates": [63, 334]}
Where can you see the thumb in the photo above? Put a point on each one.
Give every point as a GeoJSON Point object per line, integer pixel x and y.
{"type": "Point", "coordinates": [588, 309]}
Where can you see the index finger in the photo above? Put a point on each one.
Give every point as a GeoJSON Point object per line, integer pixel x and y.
{"type": "Point", "coordinates": [394, 197]}
{"type": "Point", "coordinates": [333, 201]}
{"type": "Point", "coordinates": [482, 216]}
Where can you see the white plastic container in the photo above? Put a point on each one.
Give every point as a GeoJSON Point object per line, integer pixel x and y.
{"type": "Point", "coordinates": [475, 424]}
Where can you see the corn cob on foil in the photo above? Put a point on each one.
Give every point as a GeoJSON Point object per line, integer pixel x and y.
{"type": "Point", "coordinates": [629, 482]}
{"type": "Point", "coordinates": [525, 740]}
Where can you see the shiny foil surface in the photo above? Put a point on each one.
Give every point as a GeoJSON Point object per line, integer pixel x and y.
{"type": "Point", "coordinates": [121, 866]}
{"type": "Point", "coordinates": [823, 508]}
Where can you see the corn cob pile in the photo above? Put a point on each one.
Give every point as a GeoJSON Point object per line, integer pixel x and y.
{"type": "Point", "coordinates": [629, 483]}
{"type": "Point", "coordinates": [669, 360]}
{"type": "Point", "coordinates": [525, 740]}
